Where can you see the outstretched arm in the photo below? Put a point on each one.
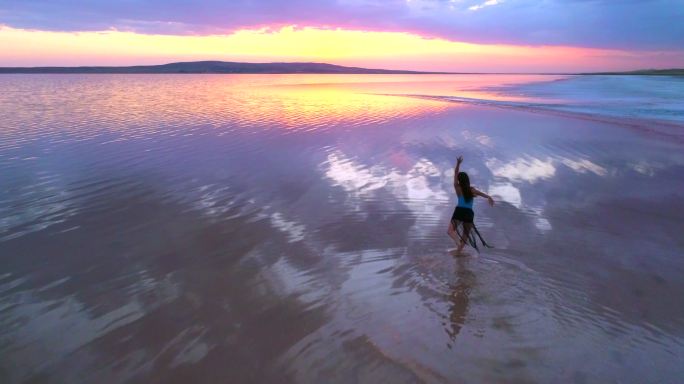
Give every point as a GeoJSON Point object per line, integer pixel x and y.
{"type": "Point", "coordinates": [482, 194]}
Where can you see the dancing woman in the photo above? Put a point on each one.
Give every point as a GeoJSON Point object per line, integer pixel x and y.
{"type": "Point", "coordinates": [464, 214]}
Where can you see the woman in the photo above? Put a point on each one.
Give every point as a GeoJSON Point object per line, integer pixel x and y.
{"type": "Point", "coordinates": [464, 210]}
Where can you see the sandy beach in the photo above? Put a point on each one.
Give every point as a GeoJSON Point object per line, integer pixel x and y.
{"type": "Point", "coordinates": [292, 228]}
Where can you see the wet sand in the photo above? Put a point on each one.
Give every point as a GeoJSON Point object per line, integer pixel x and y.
{"type": "Point", "coordinates": [299, 235]}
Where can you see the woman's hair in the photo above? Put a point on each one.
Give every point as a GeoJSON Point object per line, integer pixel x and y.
{"type": "Point", "coordinates": [464, 182]}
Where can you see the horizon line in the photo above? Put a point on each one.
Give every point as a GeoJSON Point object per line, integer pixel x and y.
{"type": "Point", "coordinates": [380, 70]}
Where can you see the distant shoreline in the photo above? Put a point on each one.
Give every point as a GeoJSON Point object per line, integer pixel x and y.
{"type": "Point", "coordinates": [642, 72]}
{"type": "Point", "coordinates": [213, 67]}
{"type": "Point", "coordinates": [226, 67]}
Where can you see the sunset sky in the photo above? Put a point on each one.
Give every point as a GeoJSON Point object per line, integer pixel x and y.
{"type": "Point", "coordinates": [439, 35]}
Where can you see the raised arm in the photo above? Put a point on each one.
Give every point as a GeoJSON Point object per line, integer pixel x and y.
{"type": "Point", "coordinates": [482, 194]}
{"type": "Point", "coordinates": [456, 171]}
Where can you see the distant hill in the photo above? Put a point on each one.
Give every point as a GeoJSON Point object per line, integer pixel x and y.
{"type": "Point", "coordinates": [274, 68]}
{"type": "Point", "coordinates": [652, 72]}
{"type": "Point", "coordinates": [213, 67]}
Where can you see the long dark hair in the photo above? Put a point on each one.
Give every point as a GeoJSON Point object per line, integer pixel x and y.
{"type": "Point", "coordinates": [464, 182]}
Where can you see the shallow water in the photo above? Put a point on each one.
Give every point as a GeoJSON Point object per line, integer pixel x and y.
{"type": "Point", "coordinates": [291, 228]}
{"type": "Point", "coordinates": [652, 99]}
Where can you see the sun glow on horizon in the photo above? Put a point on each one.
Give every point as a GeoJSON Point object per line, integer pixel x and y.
{"type": "Point", "coordinates": [392, 50]}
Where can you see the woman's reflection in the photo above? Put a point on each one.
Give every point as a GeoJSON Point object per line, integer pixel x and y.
{"type": "Point", "coordinates": [459, 297]}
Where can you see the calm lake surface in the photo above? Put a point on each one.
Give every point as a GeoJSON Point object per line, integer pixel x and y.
{"type": "Point", "coordinates": [292, 228]}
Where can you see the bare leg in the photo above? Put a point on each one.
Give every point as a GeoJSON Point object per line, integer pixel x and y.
{"type": "Point", "coordinates": [452, 232]}
{"type": "Point", "coordinates": [466, 233]}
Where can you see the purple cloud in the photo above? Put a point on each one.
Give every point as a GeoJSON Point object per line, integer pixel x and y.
{"type": "Point", "coordinates": [627, 24]}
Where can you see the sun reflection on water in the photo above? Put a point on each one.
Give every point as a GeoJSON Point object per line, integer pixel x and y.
{"type": "Point", "coordinates": [129, 106]}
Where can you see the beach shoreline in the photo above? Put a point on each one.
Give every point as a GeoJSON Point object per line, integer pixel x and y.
{"type": "Point", "coordinates": [666, 130]}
